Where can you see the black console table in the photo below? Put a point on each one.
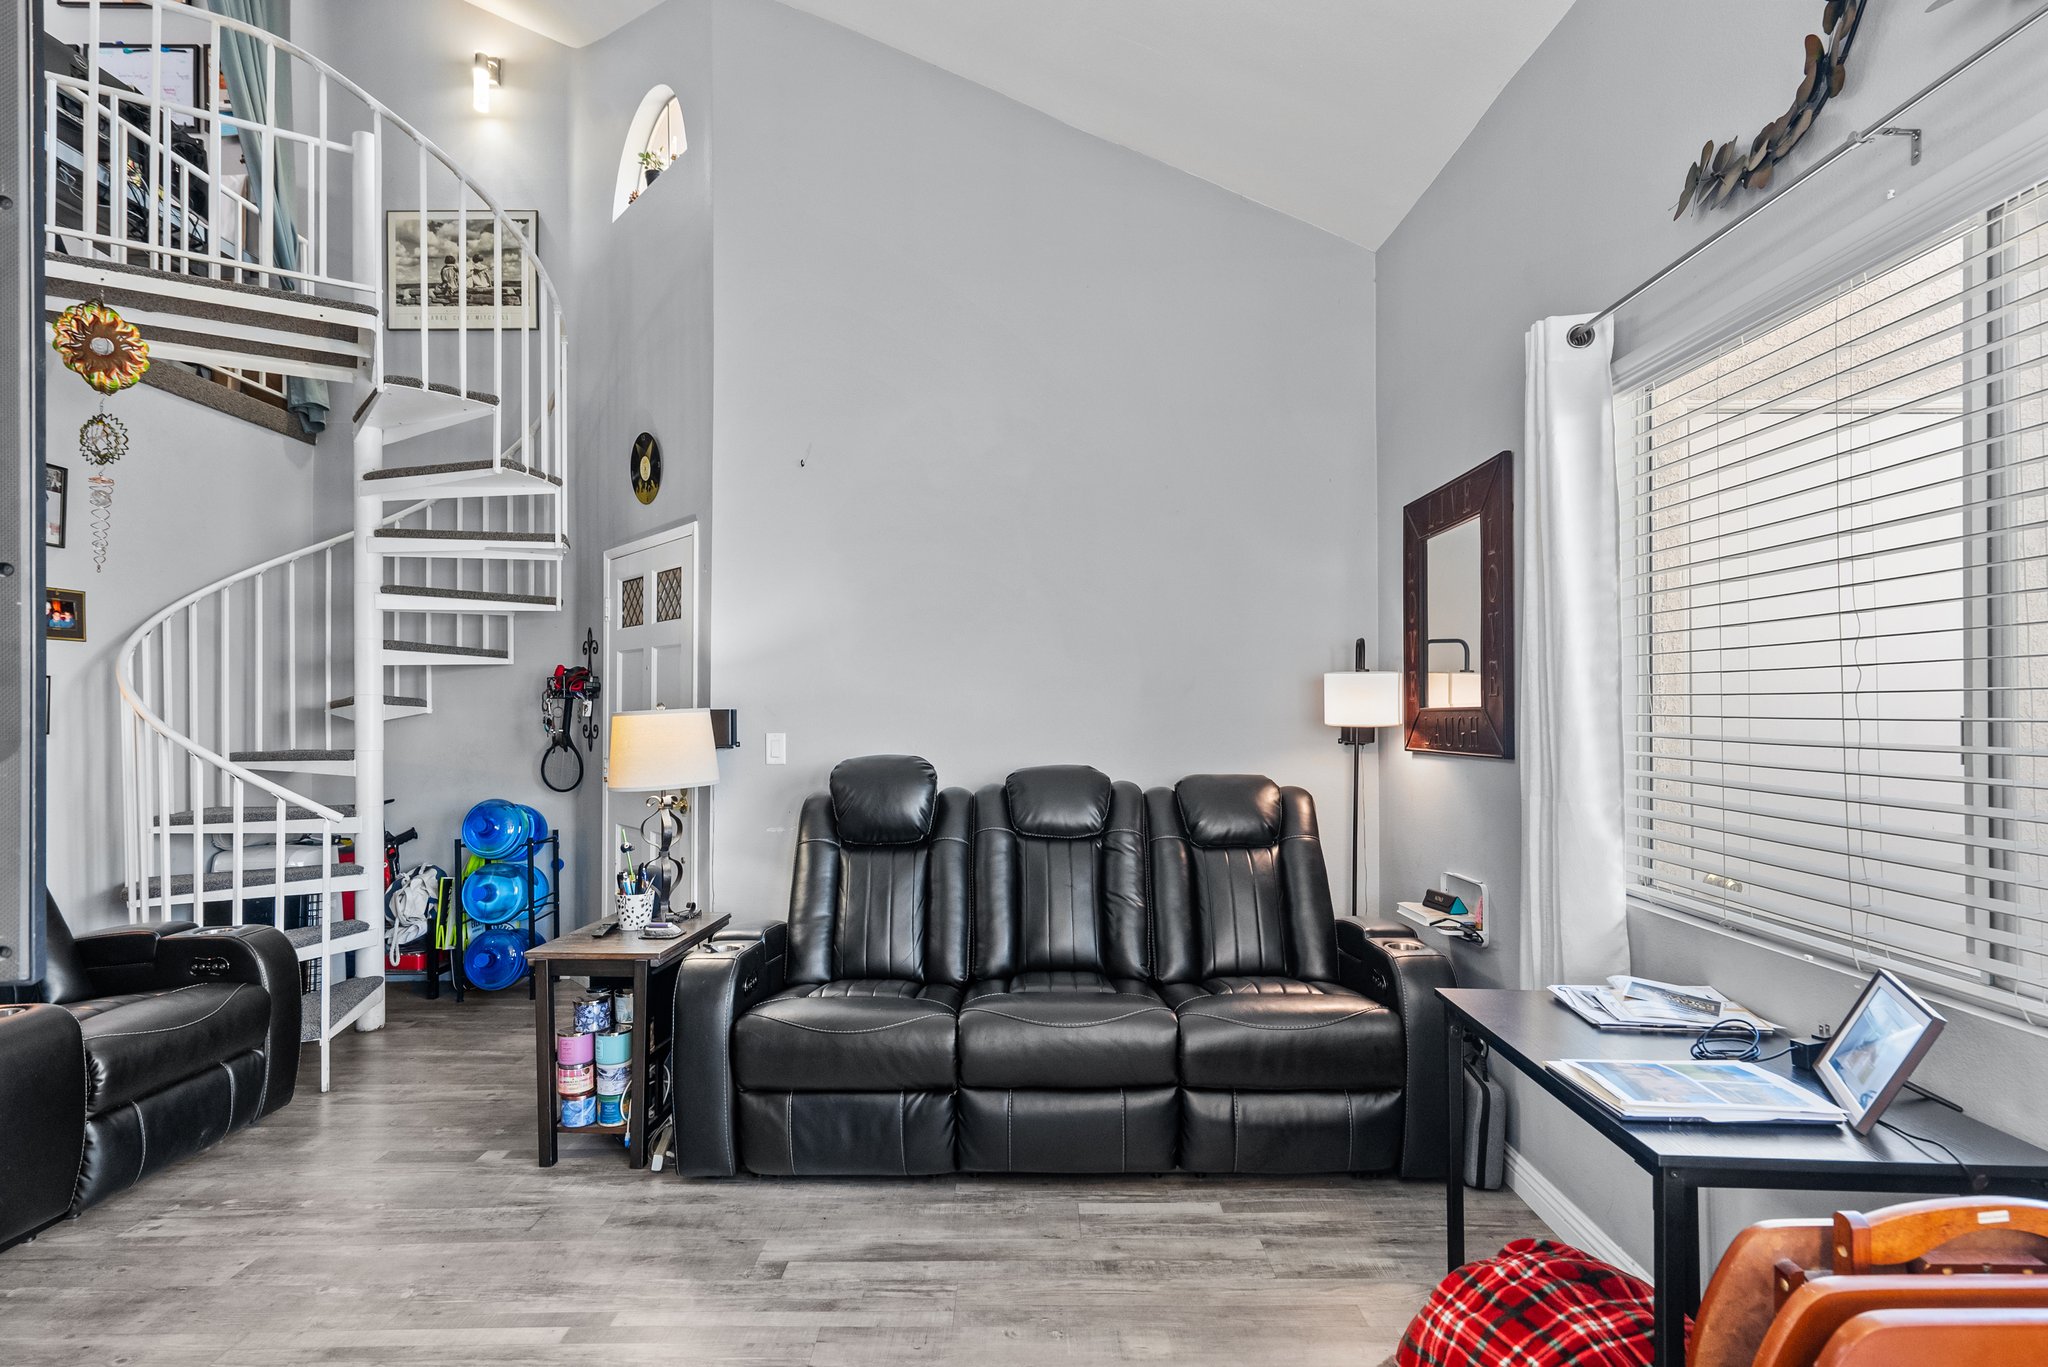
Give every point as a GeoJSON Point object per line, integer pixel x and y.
{"type": "Point", "coordinates": [1526, 1029]}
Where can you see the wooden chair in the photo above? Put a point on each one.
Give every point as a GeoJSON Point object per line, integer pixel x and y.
{"type": "Point", "coordinates": [1787, 1288]}
{"type": "Point", "coordinates": [1950, 1338]}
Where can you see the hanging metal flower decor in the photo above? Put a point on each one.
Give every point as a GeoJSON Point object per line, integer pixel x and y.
{"type": "Point", "coordinates": [109, 353]}
{"type": "Point", "coordinates": [1723, 170]}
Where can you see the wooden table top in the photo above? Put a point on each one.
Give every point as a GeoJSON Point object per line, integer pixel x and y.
{"type": "Point", "coordinates": [625, 946]}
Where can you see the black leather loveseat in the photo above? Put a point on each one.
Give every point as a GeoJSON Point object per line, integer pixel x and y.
{"type": "Point", "coordinates": [1059, 974]}
{"type": "Point", "coordinates": [143, 1045]}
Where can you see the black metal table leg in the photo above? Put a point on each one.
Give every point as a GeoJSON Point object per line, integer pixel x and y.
{"type": "Point", "coordinates": [641, 1090]}
{"type": "Point", "coordinates": [1675, 1201]}
{"type": "Point", "coordinates": [1454, 1131]}
{"type": "Point", "coordinates": [544, 1060]}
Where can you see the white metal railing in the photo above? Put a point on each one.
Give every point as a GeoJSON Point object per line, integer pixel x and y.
{"type": "Point", "coordinates": [137, 178]}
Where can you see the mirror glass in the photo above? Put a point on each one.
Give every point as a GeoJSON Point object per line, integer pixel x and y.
{"type": "Point", "coordinates": [1451, 617]}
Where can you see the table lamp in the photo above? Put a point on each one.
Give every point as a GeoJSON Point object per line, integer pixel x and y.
{"type": "Point", "coordinates": [1360, 701]}
{"type": "Point", "coordinates": [666, 753]}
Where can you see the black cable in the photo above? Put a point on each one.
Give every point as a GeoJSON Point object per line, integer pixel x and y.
{"type": "Point", "coordinates": [1733, 1041]}
{"type": "Point", "coordinates": [1977, 1181]}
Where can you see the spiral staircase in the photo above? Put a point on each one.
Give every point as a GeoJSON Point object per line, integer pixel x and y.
{"type": "Point", "coordinates": [254, 710]}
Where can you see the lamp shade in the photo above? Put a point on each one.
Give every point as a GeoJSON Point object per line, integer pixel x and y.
{"type": "Point", "coordinates": [661, 750]}
{"type": "Point", "coordinates": [1364, 698]}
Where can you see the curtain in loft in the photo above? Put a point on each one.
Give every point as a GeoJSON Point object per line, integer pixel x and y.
{"type": "Point", "coordinates": [246, 71]}
{"type": "Point", "coordinates": [1575, 926]}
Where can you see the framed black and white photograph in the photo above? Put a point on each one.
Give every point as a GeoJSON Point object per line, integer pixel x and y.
{"type": "Point", "coordinates": [64, 614]}
{"type": "Point", "coordinates": [56, 503]}
{"type": "Point", "coordinates": [448, 281]}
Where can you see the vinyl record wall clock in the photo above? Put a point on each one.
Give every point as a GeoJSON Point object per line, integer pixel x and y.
{"type": "Point", "coordinates": [646, 467]}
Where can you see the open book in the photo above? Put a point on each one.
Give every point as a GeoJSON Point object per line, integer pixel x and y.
{"type": "Point", "coordinates": [1644, 1004]}
{"type": "Point", "coordinates": [1718, 1092]}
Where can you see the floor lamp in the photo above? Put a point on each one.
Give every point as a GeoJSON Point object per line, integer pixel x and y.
{"type": "Point", "coordinates": [1360, 701]}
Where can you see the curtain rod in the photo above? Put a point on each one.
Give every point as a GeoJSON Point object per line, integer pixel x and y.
{"type": "Point", "coordinates": [1582, 334]}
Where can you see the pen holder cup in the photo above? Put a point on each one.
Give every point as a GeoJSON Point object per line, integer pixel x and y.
{"type": "Point", "coordinates": [636, 909]}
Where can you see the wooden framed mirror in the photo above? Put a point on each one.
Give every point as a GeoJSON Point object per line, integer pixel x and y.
{"type": "Point", "coordinates": [1458, 615]}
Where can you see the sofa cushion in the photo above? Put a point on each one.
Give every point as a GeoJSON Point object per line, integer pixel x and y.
{"type": "Point", "coordinates": [819, 1038]}
{"type": "Point", "coordinates": [1067, 1039]}
{"type": "Point", "coordinates": [1322, 1038]}
{"type": "Point", "coordinates": [884, 799]}
{"type": "Point", "coordinates": [143, 1042]}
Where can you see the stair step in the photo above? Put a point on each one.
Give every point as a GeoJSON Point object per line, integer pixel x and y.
{"type": "Point", "coordinates": [401, 406]}
{"type": "Point", "coordinates": [297, 761]}
{"type": "Point", "coordinates": [395, 706]}
{"type": "Point", "coordinates": [204, 297]}
{"type": "Point", "coordinates": [259, 878]}
{"type": "Point", "coordinates": [346, 999]}
{"type": "Point", "coordinates": [341, 938]}
{"type": "Point", "coordinates": [225, 816]}
{"type": "Point", "coordinates": [464, 478]}
{"type": "Point", "coordinates": [390, 700]}
{"type": "Point", "coordinates": [422, 542]}
{"type": "Point", "coordinates": [419, 598]}
{"type": "Point", "coordinates": [427, 652]}
{"type": "Point", "coordinates": [188, 384]}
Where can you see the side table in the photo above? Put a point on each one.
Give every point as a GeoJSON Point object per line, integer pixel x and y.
{"type": "Point", "coordinates": [652, 966]}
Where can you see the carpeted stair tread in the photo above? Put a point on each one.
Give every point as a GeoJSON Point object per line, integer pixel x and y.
{"type": "Point", "coordinates": [429, 648]}
{"type": "Point", "coordinates": [390, 700]}
{"type": "Point", "coordinates": [225, 816]}
{"type": "Point", "coordinates": [231, 286]}
{"type": "Point", "coordinates": [338, 930]}
{"type": "Point", "coordinates": [469, 595]}
{"type": "Point", "coordinates": [459, 467]}
{"type": "Point", "coordinates": [342, 997]}
{"type": "Point", "coordinates": [457, 534]}
{"type": "Point", "coordinates": [288, 756]}
{"type": "Point", "coordinates": [264, 876]}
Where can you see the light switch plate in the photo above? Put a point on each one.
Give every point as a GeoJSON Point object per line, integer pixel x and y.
{"type": "Point", "coordinates": [778, 748]}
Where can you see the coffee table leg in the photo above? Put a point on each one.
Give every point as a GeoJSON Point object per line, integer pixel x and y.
{"type": "Point", "coordinates": [1676, 1203]}
{"type": "Point", "coordinates": [1454, 1138]}
{"type": "Point", "coordinates": [636, 1125]}
{"type": "Point", "coordinates": [544, 1059]}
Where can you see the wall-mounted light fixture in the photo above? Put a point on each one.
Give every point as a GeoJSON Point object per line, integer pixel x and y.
{"type": "Point", "coordinates": [484, 75]}
{"type": "Point", "coordinates": [1361, 701]}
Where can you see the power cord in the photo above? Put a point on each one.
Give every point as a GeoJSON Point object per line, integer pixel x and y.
{"type": "Point", "coordinates": [1733, 1041]}
{"type": "Point", "coordinates": [1462, 929]}
{"type": "Point", "coordinates": [1978, 1182]}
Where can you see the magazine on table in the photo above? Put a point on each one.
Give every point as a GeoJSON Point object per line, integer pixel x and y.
{"type": "Point", "coordinates": [1625, 1002]}
{"type": "Point", "coordinates": [1715, 1091]}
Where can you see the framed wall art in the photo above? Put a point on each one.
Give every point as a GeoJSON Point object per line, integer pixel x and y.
{"type": "Point", "coordinates": [64, 614]}
{"type": "Point", "coordinates": [56, 504]}
{"type": "Point", "coordinates": [451, 284]}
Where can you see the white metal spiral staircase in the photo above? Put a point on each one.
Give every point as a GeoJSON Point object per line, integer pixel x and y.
{"type": "Point", "coordinates": [254, 709]}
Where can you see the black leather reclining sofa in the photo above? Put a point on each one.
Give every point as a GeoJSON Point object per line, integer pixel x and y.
{"type": "Point", "coordinates": [1059, 974]}
{"type": "Point", "coordinates": [142, 1045]}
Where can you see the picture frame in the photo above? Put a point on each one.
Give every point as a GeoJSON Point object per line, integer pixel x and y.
{"type": "Point", "coordinates": [456, 294]}
{"type": "Point", "coordinates": [64, 614]}
{"type": "Point", "coordinates": [56, 504]}
{"type": "Point", "coordinates": [187, 71]}
{"type": "Point", "coordinates": [1481, 725]}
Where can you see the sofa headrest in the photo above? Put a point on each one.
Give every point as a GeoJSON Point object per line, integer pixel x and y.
{"type": "Point", "coordinates": [1058, 801]}
{"type": "Point", "coordinates": [884, 799]}
{"type": "Point", "coordinates": [1224, 811]}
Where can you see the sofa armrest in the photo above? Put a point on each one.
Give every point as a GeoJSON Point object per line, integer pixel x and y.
{"type": "Point", "coordinates": [1397, 970]}
{"type": "Point", "coordinates": [715, 985]}
{"type": "Point", "coordinates": [42, 1097]}
{"type": "Point", "coordinates": [123, 958]}
{"type": "Point", "coordinates": [245, 954]}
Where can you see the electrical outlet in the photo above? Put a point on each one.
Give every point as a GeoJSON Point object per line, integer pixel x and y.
{"type": "Point", "coordinates": [778, 748]}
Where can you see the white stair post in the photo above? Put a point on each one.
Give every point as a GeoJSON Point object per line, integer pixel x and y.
{"type": "Point", "coordinates": [369, 581]}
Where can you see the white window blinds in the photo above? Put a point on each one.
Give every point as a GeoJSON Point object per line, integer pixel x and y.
{"type": "Point", "coordinates": [1835, 581]}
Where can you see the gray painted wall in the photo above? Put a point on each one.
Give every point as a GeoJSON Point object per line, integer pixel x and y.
{"type": "Point", "coordinates": [1558, 203]}
{"type": "Point", "coordinates": [641, 323]}
{"type": "Point", "coordinates": [1027, 449]}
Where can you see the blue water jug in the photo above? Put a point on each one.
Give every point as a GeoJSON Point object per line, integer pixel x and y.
{"type": "Point", "coordinates": [497, 829]}
{"type": "Point", "coordinates": [496, 893]}
{"type": "Point", "coordinates": [497, 958]}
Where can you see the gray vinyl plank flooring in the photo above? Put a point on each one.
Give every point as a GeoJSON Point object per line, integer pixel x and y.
{"type": "Point", "coordinates": [400, 1219]}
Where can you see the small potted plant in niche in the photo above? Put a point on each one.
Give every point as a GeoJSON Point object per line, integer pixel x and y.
{"type": "Point", "coordinates": [651, 167]}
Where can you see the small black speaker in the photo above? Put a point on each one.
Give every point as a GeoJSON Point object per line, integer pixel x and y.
{"type": "Point", "coordinates": [725, 727]}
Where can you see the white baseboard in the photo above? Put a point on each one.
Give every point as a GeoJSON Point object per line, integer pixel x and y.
{"type": "Point", "coordinates": [1562, 1214]}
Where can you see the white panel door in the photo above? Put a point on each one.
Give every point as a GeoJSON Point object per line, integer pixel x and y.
{"type": "Point", "coordinates": [650, 655]}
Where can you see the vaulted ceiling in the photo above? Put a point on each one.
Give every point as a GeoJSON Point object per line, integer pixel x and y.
{"type": "Point", "coordinates": [1336, 112]}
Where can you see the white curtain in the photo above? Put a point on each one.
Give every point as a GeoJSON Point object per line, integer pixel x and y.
{"type": "Point", "coordinates": [1574, 922]}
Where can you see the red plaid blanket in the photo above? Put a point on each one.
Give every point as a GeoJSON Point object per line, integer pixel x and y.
{"type": "Point", "coordinates": [1537, 1304]}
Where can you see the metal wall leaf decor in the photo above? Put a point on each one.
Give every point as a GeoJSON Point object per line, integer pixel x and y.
{"type": "Point", "coordinates": [1722, 170]}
